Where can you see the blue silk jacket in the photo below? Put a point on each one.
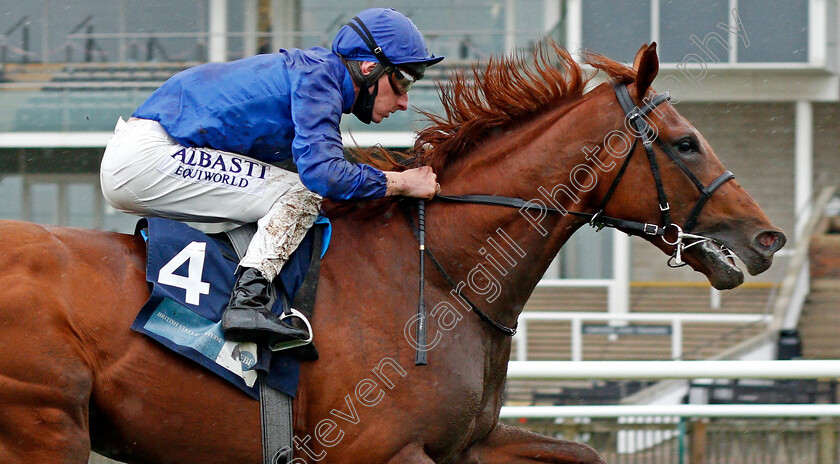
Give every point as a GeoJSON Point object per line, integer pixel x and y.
{"type": "Point", "coordinates": [270, 107]}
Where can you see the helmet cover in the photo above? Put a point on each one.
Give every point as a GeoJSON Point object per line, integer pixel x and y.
{"type": "Point", "coordinates": [397, 36]}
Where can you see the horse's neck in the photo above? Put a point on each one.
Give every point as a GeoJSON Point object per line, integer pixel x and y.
{"type": "Point", "coordinates": [498, 247]}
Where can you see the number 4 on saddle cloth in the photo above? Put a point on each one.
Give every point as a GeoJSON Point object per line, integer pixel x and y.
{"type": "Point", "coordinates": [191, 276]}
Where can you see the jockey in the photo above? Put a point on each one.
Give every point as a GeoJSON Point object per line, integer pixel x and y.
{"type": "Point", "coordinates": [201, 149]}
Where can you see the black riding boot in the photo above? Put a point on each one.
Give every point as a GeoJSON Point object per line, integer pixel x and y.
{"type": "Point", "coordinates": [248, 317]}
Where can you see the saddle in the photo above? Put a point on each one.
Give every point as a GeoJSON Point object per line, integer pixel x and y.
{"type": "Point", "coordinates": [191, 275]}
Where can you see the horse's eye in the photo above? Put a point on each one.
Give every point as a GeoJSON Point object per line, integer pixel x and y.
{"type": "Point", "coordinates": [687, 146]}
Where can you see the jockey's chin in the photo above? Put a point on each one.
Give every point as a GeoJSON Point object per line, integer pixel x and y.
{"type": "Point", "coordinates": [379, 116]}
{"type": "Point", "coordinates": [376, 118]}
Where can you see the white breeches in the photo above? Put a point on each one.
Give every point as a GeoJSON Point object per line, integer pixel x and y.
{"type": "Point", "coordinates": [146, 172]}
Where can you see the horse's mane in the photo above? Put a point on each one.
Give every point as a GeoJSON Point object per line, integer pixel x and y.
{"type": "Point", "coordinates": [503, 91]}
{"type": "Point", "coordinates": [491, 97]}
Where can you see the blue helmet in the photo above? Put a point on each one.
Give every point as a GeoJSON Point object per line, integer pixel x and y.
{"type": "Point", "coordinates": [385, 36]}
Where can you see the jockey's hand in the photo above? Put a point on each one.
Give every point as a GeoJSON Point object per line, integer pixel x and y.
{"type": "Point", "coordinates": [417, 183]}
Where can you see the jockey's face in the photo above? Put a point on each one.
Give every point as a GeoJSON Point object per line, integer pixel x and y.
{"type": "Point", "coordinates": [387, 99]}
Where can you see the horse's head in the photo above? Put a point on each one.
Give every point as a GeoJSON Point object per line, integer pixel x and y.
{"type": "Point", "coordinates": [659, 178]}
{"type": "Point", "coordinates": [705, 213]}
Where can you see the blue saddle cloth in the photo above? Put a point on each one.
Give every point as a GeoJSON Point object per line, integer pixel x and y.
{"type": "Point", "coordinates": [191, 276]}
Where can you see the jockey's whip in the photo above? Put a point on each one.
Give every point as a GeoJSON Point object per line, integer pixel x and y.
{"type": "Point", "coordinates": [420, 353]}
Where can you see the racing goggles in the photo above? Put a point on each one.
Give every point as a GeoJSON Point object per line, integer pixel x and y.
{"type": "Point", "coordinates": [401, 82]}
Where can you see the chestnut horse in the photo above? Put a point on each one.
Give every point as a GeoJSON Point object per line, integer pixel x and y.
{"type": "Point", "coordinates": [73, 377]}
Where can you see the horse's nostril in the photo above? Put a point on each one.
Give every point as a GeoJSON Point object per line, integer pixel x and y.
{"type": "Point", "coordinates": [771, 240]}
{"type": "Point", "coordinates": [767, 240]}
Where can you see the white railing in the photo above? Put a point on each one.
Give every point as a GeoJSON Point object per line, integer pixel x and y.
{"type": "Point", "coordinates": [672, 410]}
{"type": "Point", "coordinates": [617, 370]}
{"type": "Point", "coordinates": [646, 370]}
{"type": "Point", "coordinates": [576, 319]}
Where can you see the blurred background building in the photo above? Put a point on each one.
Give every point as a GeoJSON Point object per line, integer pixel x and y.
{"type": "Point", "coordinates": [759, 78]}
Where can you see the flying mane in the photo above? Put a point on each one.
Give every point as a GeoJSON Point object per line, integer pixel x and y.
{"type": "Point", "coordinates": [505, 91]}
{"type": "Point", "coordinates": [490, 97]}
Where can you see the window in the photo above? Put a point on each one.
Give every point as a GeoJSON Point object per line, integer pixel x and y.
{"type": "Point", "coordinates": [57, 186]}
{"type": "Point", "coordinates": [43, 204]}
{"type": "Point", "coordinates": [51, 31]}
{"type": "Point", "coordinates": [684, 24]}
{"type": "Point", "coordinates": [756, 31]}
{"type": "Point", "coordinates": [777, 31]}
{"type": "Point", "coordinates": [457, 29]}
{"type": "Point", "coordinates": [11, 191]}
{"type": "Point", "coordinates": [616, 29]}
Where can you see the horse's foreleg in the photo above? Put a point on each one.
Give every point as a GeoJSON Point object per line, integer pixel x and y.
{"type": "Point", "coordinates": [506, 444]}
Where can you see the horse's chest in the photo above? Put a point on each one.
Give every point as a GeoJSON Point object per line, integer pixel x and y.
{"type": "Point", "coordinates": [462, 404]}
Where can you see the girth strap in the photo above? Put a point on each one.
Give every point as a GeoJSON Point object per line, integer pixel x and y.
{"type": "Point", "coordinates": [276, 422]}
{"type": "Point", "coordinates": [275, 406]}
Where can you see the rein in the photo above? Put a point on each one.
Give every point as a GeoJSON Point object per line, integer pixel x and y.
{"type": "Point", "coordinates": [598, 220]}
{"type": "Point", "coordinates": [419, 233]}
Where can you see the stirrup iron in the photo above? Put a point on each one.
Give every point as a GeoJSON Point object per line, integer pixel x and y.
{"type": "Point", "coordinates": [293, 343]}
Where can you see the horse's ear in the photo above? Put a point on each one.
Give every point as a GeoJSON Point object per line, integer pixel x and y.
{"type": "Point", "coordinates": [646, 65]}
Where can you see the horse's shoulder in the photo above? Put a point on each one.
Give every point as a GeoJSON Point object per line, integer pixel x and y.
{"type": "Point", "coordinates": [45, 250]}
{"type": "Point", "coordinates": [29, 246]}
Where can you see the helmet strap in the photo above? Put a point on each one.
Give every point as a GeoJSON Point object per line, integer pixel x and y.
{"type": "Point", "coordinates": [363, 106]}
{"type": "Point", "coordinates": [368, 39]}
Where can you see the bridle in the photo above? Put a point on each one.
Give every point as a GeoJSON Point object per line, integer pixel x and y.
{"type": "Point", "coordinates": [642, 132]}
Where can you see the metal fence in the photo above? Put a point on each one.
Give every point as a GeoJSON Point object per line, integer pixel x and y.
{"type": "Point", "coordinates": [672, 440]}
